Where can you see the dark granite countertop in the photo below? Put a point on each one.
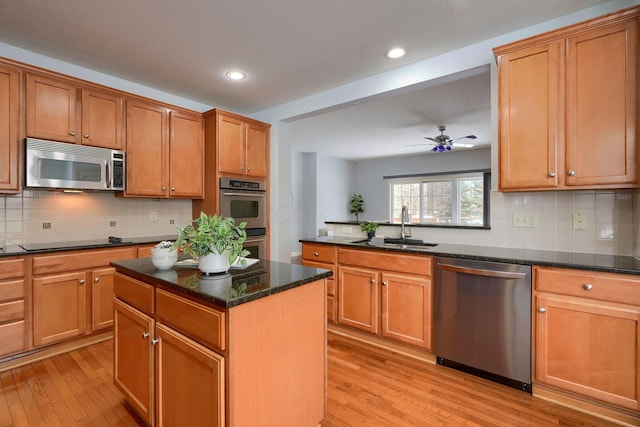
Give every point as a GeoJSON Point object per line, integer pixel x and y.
{"type": "Point", "coordinates": [227, 289]}
{"type": "Point", "coordinates": [582, 261]}
{"type": "Point", "coordinates": [73, 245]}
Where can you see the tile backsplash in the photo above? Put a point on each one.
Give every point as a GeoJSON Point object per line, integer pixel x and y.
{"type": "Point", "coordinates": [47, 216]}
{"type": "Point", "coordinates": [611, 223]}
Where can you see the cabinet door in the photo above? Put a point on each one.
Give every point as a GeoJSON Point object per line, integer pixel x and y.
{"type": "Point", "coordinates": [133, 368]}
{"type": "Point", "coordinates": [183, 364]}
{"type": "Point", "coordinates": [602, 100]}
{"type": "Point", "coordinates": [358, 298]}
{"type": "Point", "coordinates": [406, 308]}
{"type": "Point", "coordinates": [589, 348]}
{"type": "Point", "coordinates": [102, 298]}
{"type": "Point", "coordinates": [257, 155]}
{"type": "Point", "coordinates": [59, 307]}
{"type": "Point", "coordinates": [51, 109]}
{"type": "Point", "coordinates": [230, 145]}
{"type": "Point", "coordinates": [9, 129]}
{"type": "Point", "coordinates": [186, 155]}
{"type": "Point", "coordinates": [530, 119]}
{"type": "Point", "coordinates": [147, 154]}
{"type": "Point", "coordinates": [102, 119]}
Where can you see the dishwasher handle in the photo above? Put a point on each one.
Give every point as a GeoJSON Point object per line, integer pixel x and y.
{"type": "Point", "coordinates": [482, 272]}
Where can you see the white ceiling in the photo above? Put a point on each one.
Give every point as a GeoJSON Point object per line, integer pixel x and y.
{"type": "Point", "coordinates": [289, 49]}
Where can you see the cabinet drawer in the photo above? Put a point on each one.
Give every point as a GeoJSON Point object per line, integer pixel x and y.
{"type": "Point", "coordinates": [12, 337]}
{"type": "Point", "coordinates": [331, 287]}
{"type": "Point", "coordinates": [13, 310]}
{"type": "Point", "coordinates": [11, 290]}
{"type": "Point", "coordinates": [324, 265]}
{"type": "Point", "coordinates": [11, 268]}
{"type": "Point", "coordinates": [203, 324]}
{"type": "Point", "coordinates": [620, 288]}
{"type": "Point", "coordinates": [322, 253]}
{"type": "Point", "coordinates": [84, 260]}
{"type": "Point", "coordinates": [133, 292]}
{"type": "Point", "coordinates": [413, 264]}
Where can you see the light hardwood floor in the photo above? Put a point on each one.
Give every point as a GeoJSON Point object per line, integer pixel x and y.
{"type": "Point", "coordinates": [367, 386]}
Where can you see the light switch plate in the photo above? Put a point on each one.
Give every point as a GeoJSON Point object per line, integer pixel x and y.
{"type": "Point", "coordinates": [579, 221]}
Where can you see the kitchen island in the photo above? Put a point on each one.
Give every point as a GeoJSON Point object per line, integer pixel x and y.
{"type": "Point", "coordinates": [238, 349]}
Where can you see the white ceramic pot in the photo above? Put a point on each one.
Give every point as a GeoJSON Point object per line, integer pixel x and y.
{"type": "Point", "coordinates": [214, 263]}
{"type": "Point", "coordinates": [163, 258]}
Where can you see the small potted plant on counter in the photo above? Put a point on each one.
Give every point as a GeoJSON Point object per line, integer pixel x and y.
{"type": "Point", "coordinates": [215, 240]}
{"type": "Point", "coordinates": [370, 227]}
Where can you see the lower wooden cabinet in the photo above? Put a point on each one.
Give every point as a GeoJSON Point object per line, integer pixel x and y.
{"type": "Point", "coordinates": [386, 293]}
{"type": "Point", "coordinates": [102, 298]}
{"type": "Point", "coordinates": [13, 307]}
{"type": "Point", "coordinates": [585, 342]}
{"type": "Point", "coordinates": [324, 256]}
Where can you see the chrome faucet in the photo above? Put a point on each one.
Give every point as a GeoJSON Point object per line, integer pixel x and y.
{"type": "Point", "coordinates": [404, 218]}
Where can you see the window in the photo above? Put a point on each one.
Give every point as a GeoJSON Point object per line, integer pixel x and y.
{"type": "Point", "coordinates": [460, 199]}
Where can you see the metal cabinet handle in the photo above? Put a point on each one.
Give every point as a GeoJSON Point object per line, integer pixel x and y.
{"type": "Point", "coordinates": [552, 174]}
{"type": "Point", "coordinates": [145, 335]}
{"type": "Point", "coordinates": [164, 188]}
{"type": "Point", "coordinates": [248, 169]}
{"type": "Point", "coordinates": [155, 341]}
{"type": "Point", "coordinates": [173, 188]}
{"type": "Point", "coordinates": [384, 283]}
{"type": "Point", "coordinates": [572, 173]}
{"type": "Point", "coordinates": [96, 280]}
{"type": "Point", "coordinates": [542, 310]}
{"type": "Point", "coordinates": [373, 281]}
{"type": "Point", "coordinates": [587, 286]}
{"type": "Point", "coordinates": [72, 133]}
{"type": "Point", "coordinates": [316, 254]}
{"type": "Point", "coordinates": [81, 281]}
{"type": "Point", "coordinates": [86, 135]}
{"type": "Point", "coordinates": [241, 168]}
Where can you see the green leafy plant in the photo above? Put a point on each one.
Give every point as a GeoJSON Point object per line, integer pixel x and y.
{"type": "Point", "coordinates": [369, 226]}
{"type": "Point", "coordinates": [357, 203]}
{"type": "Point", "coordinates": [212, 234]}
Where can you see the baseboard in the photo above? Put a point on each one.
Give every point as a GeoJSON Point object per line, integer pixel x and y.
{"type": "Point", "coordinates": [35, 355]}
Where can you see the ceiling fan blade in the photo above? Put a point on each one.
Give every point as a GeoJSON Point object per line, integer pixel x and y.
{"type": "Point", "coordinates": [423, 144]}
{"type": "Point", "coordinates": [464, 137]}
{"type": "Point", "coordinates": [432, 139]}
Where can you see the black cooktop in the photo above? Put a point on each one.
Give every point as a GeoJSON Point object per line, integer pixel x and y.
{"type": "Point", "coordinates": [30, 247]}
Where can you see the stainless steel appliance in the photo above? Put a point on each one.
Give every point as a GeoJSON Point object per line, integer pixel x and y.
{"type": "Point", "coordinates": [482, 319]}
{"type": "Point", "coordinates": [256, 245]}
{"type": "Point", "coordinates": [59, 165]}
{"type": "Point", "coordinates": [245, 200]}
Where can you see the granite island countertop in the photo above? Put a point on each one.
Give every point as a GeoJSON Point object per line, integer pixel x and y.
{"type": "Point", "coordinates": [239, 286]}
{"type": "Point", "coordinates": [582, 261]}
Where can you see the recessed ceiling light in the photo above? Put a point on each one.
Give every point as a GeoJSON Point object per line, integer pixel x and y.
{"type": "Point", "coordinates": [395, 53]}
{"type": "Point", "coordinates": [236, 75]}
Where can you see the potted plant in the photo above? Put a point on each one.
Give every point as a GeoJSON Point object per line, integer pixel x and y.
{"type": "Point", "coordinates": [370, 227]}
{"type": "Point", "coordinates": [215, 240]}
{"type": "Point", "coordinates": [357, 205]}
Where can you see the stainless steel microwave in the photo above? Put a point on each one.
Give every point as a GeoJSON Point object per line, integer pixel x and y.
{"type": "Point", "coordinates": [60, 165]}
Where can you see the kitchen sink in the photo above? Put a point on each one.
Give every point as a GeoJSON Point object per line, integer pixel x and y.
{"type": "Point", "coordinates": [398, 243]}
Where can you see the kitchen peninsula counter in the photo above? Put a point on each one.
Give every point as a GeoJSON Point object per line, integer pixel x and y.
{"type": "Point", "coordinates": [237, 349]}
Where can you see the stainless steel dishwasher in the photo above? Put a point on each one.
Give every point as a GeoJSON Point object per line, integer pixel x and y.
{"type": "Point", "coordinates": [482, 319]}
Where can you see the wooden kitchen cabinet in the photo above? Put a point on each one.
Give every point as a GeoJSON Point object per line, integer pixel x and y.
{"type": "Point", "coordinates": [102, 298]}
{"type": "Point", "coordinates": [587, 334]}
{"type": "Point", "coordinates": [164, 152]}
{"type": "Point", "coordinates": [386, 293]}
{"type": "Point", "coordinates": [324, 256]}
{"type": "Point", "coordinates": [568, 106]}
{"type": "Point", "coordinates": [10, 129]}
{"type": "Point", "coordinates": [63, 110]}
{"type": "Point", "coordinates": [13, 309]}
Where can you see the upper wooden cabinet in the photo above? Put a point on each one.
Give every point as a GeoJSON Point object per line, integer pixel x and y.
{"type": "Point", "coordinates": [568, 103]}
{"type": "Point", "coordinates": [242, 144]}
{"type": "Point", "coordinates": [164, 152]}
{"type": "Point", "coordinates": [61, 110]}
{"type": "Point", "coordinates": [9, 129]}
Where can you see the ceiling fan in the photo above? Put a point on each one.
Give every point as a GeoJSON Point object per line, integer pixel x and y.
{"type": "Point", "coordinates": [445, 143]}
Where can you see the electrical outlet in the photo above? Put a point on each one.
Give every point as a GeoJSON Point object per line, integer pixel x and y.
{"type": "Point", "coordinates": [154, 216]}
{"type": "Point", "coordinates": [46, 226]}
{"type": "Point", "coordinates": [112, 223]}
{"type": "Point", "coordinates": [579, 221]}
{"type": "Point", "coordinates": [525, 220]}
{"type": "Point", "coordinates": [171, 221]}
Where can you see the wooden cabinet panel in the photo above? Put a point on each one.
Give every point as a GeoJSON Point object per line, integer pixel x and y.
{"type": "Point", "coordinates": [11, 290]}
{"type": "Point", "coordinates": [12, 337]}
{"type": "Point", "coordinates": [589, 348]}
{"type": "Point", "coordinates": [12, 268]}
{"type": "Point", "coordinates": [59, 307]}
{"type": "Point", "coordinates": [230, 135]}
{"type": "Point", "coordinates": [358, 303]}
{"type": "Point", "coordinates": [133, 359]}
{"type": "Point", "coordinates": [147, 155]}
{"type": "Point", "coordinates": [102, 298]}
{"type": "Point", "coordinates": [51, 109]}
{"type": "Point", "coordinates": [84, 260]}
{"type": "Point", "coordinates": [200, 323]}
{"type": "Point", "coordinates": [602, 99]}
{"type": "Point", "coordinates": [257, 151]}
{"type": "Point", "coordinates": [406, 308]}
{"type": "Point", "coordinates": [186, 155]}
{"type": "Point", "coordinates": [319, 253]}
{"type": "Point", "coordinates": [405, 263]}
{"type": "Point", "coordinates": [182, 364]}
{"type": "Point", "coordinates": [11, 311]}
{"type": "Point", "coordinates": [9, 129]}
{"type": "Point", "coordinates": [134, 292]}
{"type": "Point", "coordinates": [102, 119]}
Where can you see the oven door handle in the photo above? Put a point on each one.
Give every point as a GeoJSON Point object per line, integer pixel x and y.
{"type": "Point", "coordinates": [482, 272]}
{"type": "Point", "coordinates": [254, 240]}
{"type": "Point", "coordinates": [256, 194]}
